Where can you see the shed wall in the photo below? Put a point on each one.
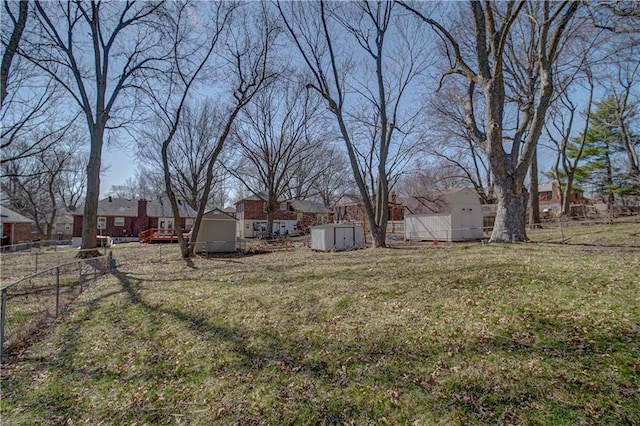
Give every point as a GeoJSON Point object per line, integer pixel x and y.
{"type": "Point", "coordinates": [337, 237]}
{"type": "Point", "coordinates": [428, 227]}
{"type": "Point", "coordinates": [216, 235]}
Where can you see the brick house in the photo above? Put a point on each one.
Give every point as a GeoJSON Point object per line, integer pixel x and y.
{"type": "Point", "coordinates": [349, 208]}
{"type": "Point", "coordinates": [14, 228]}
{"type": "Point", "coordinates": [62, 228]}
{"type": "Point", "coordinates": [309, 213]}
{"type": "Point", "coordinates": [121, 218]}
{"type": "Point", "coordinates": [251, 213]}
{"type": "Point", "coordinates": [549, 196]}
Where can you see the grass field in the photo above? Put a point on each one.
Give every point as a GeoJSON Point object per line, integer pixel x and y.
{"type": "Point", "coordinates": [423, 334]}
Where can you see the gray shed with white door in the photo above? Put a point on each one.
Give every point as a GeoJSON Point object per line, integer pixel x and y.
{"type": "Point", "coordinates": [453, 215]}
{"type": "Point", "coordinates": [337, 236]}
{"type": "Point", "coordinates": [217, 233]}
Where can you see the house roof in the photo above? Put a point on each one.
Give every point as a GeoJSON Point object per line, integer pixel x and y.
{"type": "Point", "coordinates": [129, 208]}
{"type": "Point", "coordinates": [435, 202]}
{"type": "Point", "coordinates": [260, 196]}
{"type": "Point", "coordinates": [162, 208]}
{"type": "Point", "coordinates": [347, 200]}
{"type": "Point", "coordinates": [9, 216]}
{"type": "Point", "coordinates": [115, 207]}
{"type": "Point", "coordinates": [545, 188]}
{"type": "Point", "coordinates": [63, 218]}
{"type": "Point", "coordinates": [305, 206]}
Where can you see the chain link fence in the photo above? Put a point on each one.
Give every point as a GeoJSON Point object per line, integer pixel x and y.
{"type": "Point", "coordinates": [32, 302]}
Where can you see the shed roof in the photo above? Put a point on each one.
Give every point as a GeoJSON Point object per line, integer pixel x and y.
{"type": "Point", "coordinates": [9, 216]}
{"type": "Point", "coordinates": [435, 202]}
{"type": "Point", "coordinates": [218, 214]}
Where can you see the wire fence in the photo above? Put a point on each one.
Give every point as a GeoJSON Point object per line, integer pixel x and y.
{"type": "Point", "coordinates": [16, 264]}
{"type": "Point", "coordinates": [32, 302]}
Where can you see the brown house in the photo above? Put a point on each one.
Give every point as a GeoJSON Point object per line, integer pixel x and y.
{"type": "Point", "coordinates": [14, 228]}
{"type": "Point", "coordinates": [349, 208]}
{"type": "Point", "coordinates": [123, 218]}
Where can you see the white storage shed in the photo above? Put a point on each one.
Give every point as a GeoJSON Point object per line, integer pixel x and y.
{"type": "Point", "coordinates": [217, 233]}
{"type": "Point", "coordinates": [453, 215]}
{"type": "Point", "coordinates": [337, 236]}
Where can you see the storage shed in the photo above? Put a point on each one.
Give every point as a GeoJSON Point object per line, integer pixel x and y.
{"type": "Point", "coordinates": [217, 233]}
{"type": "Point", "coordinates": [337, 236]}
{"type": "Point", "coordinates": [453, 215]}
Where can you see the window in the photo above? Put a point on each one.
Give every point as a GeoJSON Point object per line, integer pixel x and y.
{"type": "Point", "coordinates": [102, 223]}
{"type": "Point", "coordinates": [118, 221]}
{"type": "Point", "coordinates": [283, 207]}
{"type": "Point", "coordinates": [67, 227]}
{"type": "Point", "coordinates": [188, 223]}
{"type": "Point", "coordinates": [549, 195]}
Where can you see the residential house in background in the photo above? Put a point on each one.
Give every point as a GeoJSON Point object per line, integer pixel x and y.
{"type": "Point", "coordinates": [14, 228]}
{"type": "Point", "coordinates": [549, 197]}
{"type": "Point", "coordinates": [62, 227]}
{"type": "Point", "coordinates": [124, 219]}
{"type": "Point", "coordinates": [310, 213]}
{"type": "Point", "coordinates": [349, 208]}
{"type": "Point", "coordinates": [251, 213]}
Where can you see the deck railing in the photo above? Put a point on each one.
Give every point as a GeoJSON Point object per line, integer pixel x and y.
{"type": "Point", "coordinates": [161, 234]}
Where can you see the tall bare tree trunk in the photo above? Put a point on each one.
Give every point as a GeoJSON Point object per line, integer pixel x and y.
{"type": "Point", "coordinates": [534, 200]}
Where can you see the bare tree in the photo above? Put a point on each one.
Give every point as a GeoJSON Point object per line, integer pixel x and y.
{"type": "Point", "coordinates": [190, 152]}
{"type": "Point", "coordinates": [146, 184]}
{"type": "Point", "coordinates": [453, 146]}
{"type": "Point", "coordinates": [508, 146]}
{"type": "Point", "coordinates": [35, 185]}
{"type": "Point", "coordinates": [18, 25]}
{"type": "Point", "coordinates": [244, 60]}
{"type": "Point", "coordinates": [324, 177]}
{"type": "Point", "coordinates": [28, 103]}
{"type": "Point", "coordinates": [366, 88]}
{"type": "Point", "coordinates": [277, 136]}
{"type": "Point", "coordinates": [568, 152]}
{"type": "Point", "coordinates": [98, 52]}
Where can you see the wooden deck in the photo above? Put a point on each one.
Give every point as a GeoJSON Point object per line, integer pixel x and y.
{"type": "Point", "coordinates": [155, 235]}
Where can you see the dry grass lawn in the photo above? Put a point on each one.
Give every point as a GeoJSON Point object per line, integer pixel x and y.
{"type": "Point", "coordinates": [453, 334]}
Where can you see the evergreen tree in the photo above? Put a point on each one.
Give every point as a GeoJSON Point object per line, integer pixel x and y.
{"type": "Point", "coordinates": [607, 162]}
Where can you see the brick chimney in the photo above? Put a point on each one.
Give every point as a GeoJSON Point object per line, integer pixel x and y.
{"type": "Point", "coordinates": [143, 218]}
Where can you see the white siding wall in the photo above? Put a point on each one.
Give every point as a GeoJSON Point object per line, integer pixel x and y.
{"type": "Point", "coordinates": [428, 227]}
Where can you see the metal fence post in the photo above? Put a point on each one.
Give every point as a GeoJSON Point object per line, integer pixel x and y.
{"type": "Point", "coordinates": [80, 275]}
{"type": "Point", "coordinates": [2, 319]}
{"type": "Point", "coordinates": [36, 256]}
{"type": "Point", "coordinates": [95, 270]}
{"type": "Point", "coordinates": [57, 291]}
